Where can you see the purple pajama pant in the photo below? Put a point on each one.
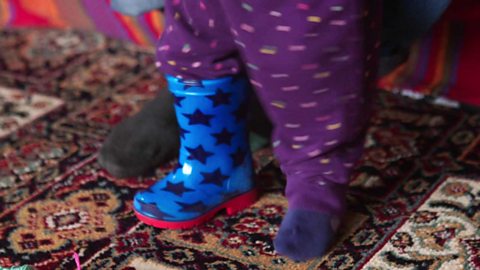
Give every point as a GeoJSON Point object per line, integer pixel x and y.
{"type": "Point", "coordinates": [310, 63]}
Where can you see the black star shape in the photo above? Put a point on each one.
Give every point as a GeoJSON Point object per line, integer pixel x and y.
{"type": "Point", "coordinates": [177, 189]}
{"type": "Point", "coordinates": [220, 98]}
{"type": "Point", "coordinates": [238, 157]}
{"type": "Point", "coordinates": [198, 207]}
{"type": "Point", "coordinates": [152, 209]}
{"type": "Point", "coordinates": [198, 118]}
{"type": "Point", "coordinates": [216, 177]}
{"type": "Point", "coordinates": [223, 137]}
{"type": "Point", "coordinates": [183, 132]}
{"type": "Point", "coordinates": [178, 101]}
{"type": "Point", "coordinates": [199, 154]}
{"type": "Point", "coordinates": [241, 113]}
{"type": "Point", "coordinates": [191, 83]}
{"type": "Point", "coordinates": [178, 166]}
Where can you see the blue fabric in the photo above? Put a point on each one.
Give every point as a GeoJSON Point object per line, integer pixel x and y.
{"type": "Point", "coordinates": [136, 7]}
{"type": "Point", "coordinates": [406, 20]}
{"type": "Point", "coordinates": [215, 162]}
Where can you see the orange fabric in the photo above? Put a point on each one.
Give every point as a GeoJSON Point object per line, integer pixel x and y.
{"type": "Point", "coordinates": [44, 9]}
{"type": "Point", "coordinates": [80, 14]}
{"type": "Point", "coordinates": [4, 13]}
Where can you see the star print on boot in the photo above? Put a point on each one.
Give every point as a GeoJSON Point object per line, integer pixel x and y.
{"type": "Point", "coordinates": [150, 138]}
{"type": "Point", "coordinates": [305, 234]}
{"type": "Point", "coordinates": [215, 165]}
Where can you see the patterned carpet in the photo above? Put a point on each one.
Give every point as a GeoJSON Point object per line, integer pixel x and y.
{"type": "Point", "coordinates": [414, 200]}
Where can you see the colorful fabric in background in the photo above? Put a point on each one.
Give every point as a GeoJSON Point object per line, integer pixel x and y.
{"type": "Point", "coordinates": [446, 61]}
{"type": "Point", "coordinates": [89, 15]}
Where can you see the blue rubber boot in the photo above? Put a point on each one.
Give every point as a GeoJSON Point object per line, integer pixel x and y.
{"type": "Point", "coordinates": [215, 165]}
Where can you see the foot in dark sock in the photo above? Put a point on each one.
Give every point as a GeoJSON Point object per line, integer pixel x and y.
{"type": "Point", "coordinates": [144, 141]}
{"type": "Point", "coordinates": [150, 138]}
{"type": "Point", "coordinates": [305, 234]}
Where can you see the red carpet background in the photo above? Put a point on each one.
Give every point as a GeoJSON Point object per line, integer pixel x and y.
{"type": "Point", "coordinates": [413, 204]}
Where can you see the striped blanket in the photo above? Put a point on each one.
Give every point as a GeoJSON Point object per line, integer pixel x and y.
{"type": "Point", "coordinates": [445, 63]}
{"type": "Point", "coordinates": [81, 14]}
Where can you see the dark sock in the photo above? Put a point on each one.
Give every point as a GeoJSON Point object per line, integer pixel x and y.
{"type": "Point", "coordinates": [305, 234]}
{"type": "Point", "coordinates": [143, 141]}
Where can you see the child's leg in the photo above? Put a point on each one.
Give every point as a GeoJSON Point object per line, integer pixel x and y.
{"type": "Point", "coordinates": [196, 44]}
{"type": "Point", "coordinates": [308, 61]}
{"type": "Point", "coordinates": [215, 166]}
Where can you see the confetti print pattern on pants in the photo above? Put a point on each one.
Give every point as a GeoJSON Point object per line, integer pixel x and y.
{"type": "Point", "coordinates": [309, 64]}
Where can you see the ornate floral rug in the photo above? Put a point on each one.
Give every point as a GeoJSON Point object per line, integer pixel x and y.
{"type": "Point", "coordinates": [414, 201]}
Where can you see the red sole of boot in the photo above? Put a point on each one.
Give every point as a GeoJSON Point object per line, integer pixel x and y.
{"type": "Point", "coordinates": [231, 206]}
